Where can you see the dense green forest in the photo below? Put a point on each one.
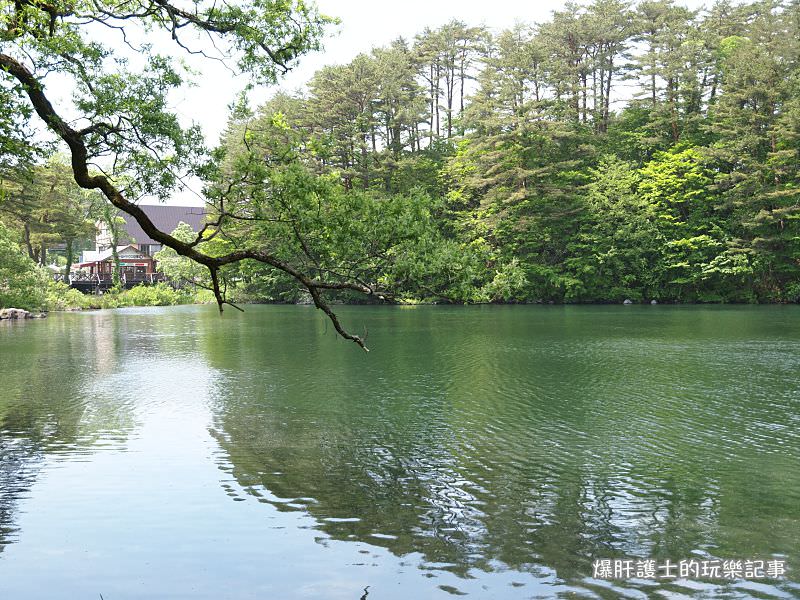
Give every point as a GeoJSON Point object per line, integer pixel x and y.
{"type": "Point", "coordinates": [616, 151]}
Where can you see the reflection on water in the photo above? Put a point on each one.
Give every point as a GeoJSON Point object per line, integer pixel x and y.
{"type": "Point", "coordinates": [488, 451]}
{"type": "Point", "coordinates": [46, 405]}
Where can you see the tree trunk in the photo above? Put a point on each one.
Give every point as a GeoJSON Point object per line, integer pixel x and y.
{"type": "Point", "coordinates": [110, 217]}
{"type": "Point", "coordinates": [462, 77]}
{"type": "Point", "coordinates": [584, 92]}
{"type": "Point", "coordinates": [436, 101]}
{"type": "Point", "coordinates": [116, 278]}
{"type": "Point", "coordinates": [70, 257]}
{"type": "Point", "coordinates": [672, 86]}
{"type": "Point", "coordinates": [607, 98]}
{"type": "Point", "coordinates": [450, 81]}
{"type": "Point", "coordinates": [433, 100]}
{"type": "Point", "coordinates": [397, 141]}
{"type": "Point", "coordinates": [653, 72]}
{"type": "Point", "coordinates": [597, 103]}
{"type": "Point", "coordinates": [365, 164]}
{"type": "Point", "coordinates": [28, 244]}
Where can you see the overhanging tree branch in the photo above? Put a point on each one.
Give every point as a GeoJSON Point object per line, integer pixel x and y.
{"type": "Point", "coordinates": [79, 158]}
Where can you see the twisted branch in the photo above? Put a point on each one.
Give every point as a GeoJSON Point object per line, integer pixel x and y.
{"type": "Point", "coordinates": [79, 161]}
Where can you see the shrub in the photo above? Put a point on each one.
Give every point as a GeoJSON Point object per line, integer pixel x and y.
{"type": "Point", "coordinates": [22, 282]}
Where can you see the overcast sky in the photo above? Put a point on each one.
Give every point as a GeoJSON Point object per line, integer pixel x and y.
{"type": "Point", "coordinates": [364, 24]}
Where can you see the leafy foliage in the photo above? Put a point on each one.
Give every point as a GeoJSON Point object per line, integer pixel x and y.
{"type": "Point", "coordinates": [22, 283]}
{"type": "Point", "coordinates": [460, 166]}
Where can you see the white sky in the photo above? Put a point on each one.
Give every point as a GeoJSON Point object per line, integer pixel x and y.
{"type": "Point", "coordinates": [364, 24]}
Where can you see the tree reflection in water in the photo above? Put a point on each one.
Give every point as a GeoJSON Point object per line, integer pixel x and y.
{"type": "Point", "coordinates": [482, 447]}
{"type": "Point", "coordinates": [506, 443]}
{"type": "Point", "coordinates": [58, 401]}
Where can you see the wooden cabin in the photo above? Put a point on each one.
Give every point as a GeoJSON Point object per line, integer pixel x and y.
{"type": "Point", "coordinates": [135, 266]}
{"type": "Point", "coordinates": [95, 270]}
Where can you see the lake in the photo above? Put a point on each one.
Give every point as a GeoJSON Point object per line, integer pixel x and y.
{"type": "Point", "coordinates": [489, 451]}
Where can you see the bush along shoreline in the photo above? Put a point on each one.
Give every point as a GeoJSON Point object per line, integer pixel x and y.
{"type": "Point", "coordinates": [62, 298]}
{"type": "Point", "coordinates": [58, 297]}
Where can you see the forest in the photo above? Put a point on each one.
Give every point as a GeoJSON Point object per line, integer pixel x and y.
{"type": "Point", "coordinates": [617, 151]}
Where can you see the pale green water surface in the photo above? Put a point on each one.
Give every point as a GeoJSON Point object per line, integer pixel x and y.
{"type": "Point", "coordinates": [489, 451]}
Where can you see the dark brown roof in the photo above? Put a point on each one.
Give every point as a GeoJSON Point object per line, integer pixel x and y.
{"type": "Point", "coordinates": [166, 218]}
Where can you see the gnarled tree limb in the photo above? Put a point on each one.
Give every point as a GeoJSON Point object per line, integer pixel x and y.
{"type": "Point", "coordinates": [79, 161]}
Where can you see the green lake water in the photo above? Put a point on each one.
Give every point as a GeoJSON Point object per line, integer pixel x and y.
{"type": "Point", "coordinates": [490, 451]}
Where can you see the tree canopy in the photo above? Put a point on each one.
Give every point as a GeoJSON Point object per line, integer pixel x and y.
{"type": "Point", "coordinates": [123, 139]}
{"type": "Point", "coordinates": [618, 150]}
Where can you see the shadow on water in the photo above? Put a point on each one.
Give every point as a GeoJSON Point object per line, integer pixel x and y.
{"type": "Point", "coordinates": [519, 441]}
